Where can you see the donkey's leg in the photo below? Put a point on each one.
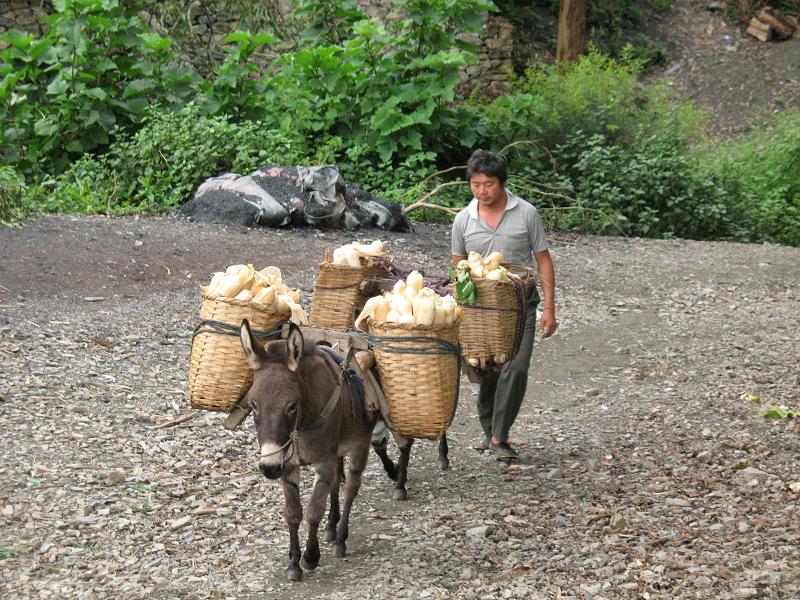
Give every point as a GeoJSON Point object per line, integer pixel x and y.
{"type": "Point", "coordinates": [293, 513]}
{"type": "Point", "coordinates": [404, 444]}
{"type": "Point", "coordinates": [444, 462]}
{"type": "Point", "coordinates": [357, 464]}
{"type": "Point", "coordinates": [388, 463]}
{"type": "Point", "coordinates": [333, 513]}
{"type": "Point", "coordinates": [316, 509]}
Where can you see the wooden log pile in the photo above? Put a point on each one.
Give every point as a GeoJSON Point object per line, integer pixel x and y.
{"type": "Point", "coordinates": [769, 24]}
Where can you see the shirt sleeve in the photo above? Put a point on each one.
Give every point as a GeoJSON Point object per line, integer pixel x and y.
{"type": "Point", "coordinates": [457, 244]}
{"type": "Point", "coordinates": [536, 233]}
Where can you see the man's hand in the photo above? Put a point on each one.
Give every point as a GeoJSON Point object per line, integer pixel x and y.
{"type": "Point", "coordinates": [547, 277]}
{"type": "Point", "coordinates": [547, 322]}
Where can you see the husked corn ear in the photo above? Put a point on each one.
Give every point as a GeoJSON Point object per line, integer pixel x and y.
{"type": "Point", "coordinates": [424, 310]}
{"type": "Point", "coordinates": [406, 319]}
{"type": "Point", "coordinates": [451, 310]}
{"type": "Point", "coordinates": [382, 310]}
{"type": "Point", "coordinates": [338, 257]}
{"type": "Point", "coordinates": [494, 257]}
{"type": "Point", "coordinates": [352, 258]}
{"type": "Point", "coordinates": [414, 283]}
{"type": "Point", "coordinates": [402, 305]}
{"type": "Point", "coordinates": [244, 295]}
{"type": "Point", "coordinates": [498, 274]}
{"type": "Point", "coordinates": [265, 296]}
{"type": "Point", "coordinates": [346, 255]}
{"type": "Point", "coordinates": [373, 249]}
{"type": "Point", "coordinates": [399, 288]}
{"type": "Point", "coordinates": [480, 268]}
{"type": "Point", "coordinates": [268, 276]}
{"type": "Point", "coordinates": [229, 286]}
{"type": "Point", "coordinates": [370, 308]}
{"type": "Point", "coordinates": [287, 306]}
{"type": "Point", "coordinates": [215, 281]}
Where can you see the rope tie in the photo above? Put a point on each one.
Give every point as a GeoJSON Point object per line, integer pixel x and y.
{"type": "Point", "coordinates": [433, 346]}
{"type": "Point", "coordinates": [222, 328]}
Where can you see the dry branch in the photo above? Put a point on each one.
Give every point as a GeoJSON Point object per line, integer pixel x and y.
{"type": "Point", "coordinates": [422, 201]}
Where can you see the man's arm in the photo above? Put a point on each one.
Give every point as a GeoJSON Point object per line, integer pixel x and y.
{"type": "Point", "coordinates": [456, 259]}
{"type": "Point", "coordinates": [547, 278]}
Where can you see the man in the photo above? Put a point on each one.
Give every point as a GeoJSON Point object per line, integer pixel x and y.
{"type": "Point", "coordinates": [497, 220]}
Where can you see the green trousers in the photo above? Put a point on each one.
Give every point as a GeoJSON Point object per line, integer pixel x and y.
{"type": "Point", "coordinates": [501, 394]}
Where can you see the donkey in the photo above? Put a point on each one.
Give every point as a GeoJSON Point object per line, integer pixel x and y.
{"type": "Point", "coordinates": [307, 413]}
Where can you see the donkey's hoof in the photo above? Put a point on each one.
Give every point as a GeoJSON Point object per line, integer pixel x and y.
{"type": "Point", "coordinates": [444, 464]}
{"type": "Point", "coordinates": [400, 494]}
{"type": "Point", "coordinates": [341, 551]}
{"type": "Point", "coordinates": [329, 535]}
{"type": "Point", "coordinates": [309, 565]}
{"type": "Point", "coordinates": [295, 573]}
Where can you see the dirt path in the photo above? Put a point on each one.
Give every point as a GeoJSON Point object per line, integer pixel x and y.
{"type": "Point", "coordinates": [646, 472]}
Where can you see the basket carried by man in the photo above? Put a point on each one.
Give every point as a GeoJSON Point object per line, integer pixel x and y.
{"type": "Point", "coordinates": [494, 300]}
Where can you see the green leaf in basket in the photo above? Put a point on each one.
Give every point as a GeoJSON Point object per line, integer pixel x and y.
{"type": "Point", "coordinates": [466, 292]}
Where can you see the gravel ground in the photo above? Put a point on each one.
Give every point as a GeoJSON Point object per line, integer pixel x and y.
{"type": "Point", "coordinates": [646, 469]}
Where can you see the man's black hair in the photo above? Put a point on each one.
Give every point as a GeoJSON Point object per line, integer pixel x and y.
{"type": "Point", "coordinates": [488, 163]}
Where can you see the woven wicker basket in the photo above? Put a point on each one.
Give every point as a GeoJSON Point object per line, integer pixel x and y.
{"type": "Point", "coordinates": [419, 378]}
{"type": "Point", "coordinates": [338, 294]}
{"type": "Point", "coordinates": [493, 326]}
{"type": "Point", "coordinates": [218, 371]}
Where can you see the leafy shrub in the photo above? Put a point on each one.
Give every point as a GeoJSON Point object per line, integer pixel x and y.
{"type": "Point", "coordinates": [387, 87]}
{"type": "Point", "coordinates": [595, 94]}
{"type": "Point", "coordinates": [12, 189]}
{"type": "Point", "coordinates": [655, 188]}
{"type": "Point", "coordinates": [760, 175]}
{"type": "Point", "coordinates": [162, 164]}
{"type": "Point", "coordinates": [95, 69]}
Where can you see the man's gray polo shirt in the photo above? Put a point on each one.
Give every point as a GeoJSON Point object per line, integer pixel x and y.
{"type": "Point", "coordinates": [519, 233]}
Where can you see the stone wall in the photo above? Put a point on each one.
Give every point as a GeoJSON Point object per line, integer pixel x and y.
{"type": "Point", "coordinates": [494, 45]}
{"type": "Point", "coordinates": [23, 15]}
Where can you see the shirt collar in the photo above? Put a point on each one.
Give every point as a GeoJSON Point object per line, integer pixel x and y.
{"type": "Point", "coordinates": [512, 202]}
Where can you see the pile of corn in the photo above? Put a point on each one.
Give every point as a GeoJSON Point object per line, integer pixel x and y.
{"type": "Point", "coordinates": [484, 268]}
{"type": "Point", "coordinates": [266, 287]}
{"type": "Point", "coordinates": [355, 254]}
{"type": "Point", "coordinates": [411, 303]}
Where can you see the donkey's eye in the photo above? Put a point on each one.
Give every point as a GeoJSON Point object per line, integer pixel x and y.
{"type": "Point", "coordinates": [291, 408]}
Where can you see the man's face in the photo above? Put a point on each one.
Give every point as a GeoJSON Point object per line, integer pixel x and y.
{"type": "Point", "coordinates": [488, 190]}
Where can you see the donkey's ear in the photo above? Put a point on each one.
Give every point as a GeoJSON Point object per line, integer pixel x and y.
{"type": "Point", "coordinates": [252, 351]}
{"type": "Point", "coordinates": [294, 347]}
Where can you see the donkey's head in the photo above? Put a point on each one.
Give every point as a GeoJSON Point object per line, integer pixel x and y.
{"type": "Point", "coordinates": [276, 395]}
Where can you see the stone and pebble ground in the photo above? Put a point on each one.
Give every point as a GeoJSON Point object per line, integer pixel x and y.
{"type": "Point", "coordinates": [646, 470]}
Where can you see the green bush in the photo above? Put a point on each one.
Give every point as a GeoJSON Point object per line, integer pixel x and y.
{"type": "Point", "coordinates": [760, 175]}
{"type": "Point", "coordinates": [12, 191]}
{"type": "Point", "coordinates": [160, 166]}
{"type": "Point", "coordinates": [387, 87]}
{"type": "Point", "coordinates": [594, 94]}
{"type": "Point", "coordinates": [652, 189]}
{"type": "Point", "coordinates": [96, 69]}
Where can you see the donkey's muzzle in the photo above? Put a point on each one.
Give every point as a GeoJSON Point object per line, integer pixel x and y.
{"type": "Point", "coordinates": [270, 471]}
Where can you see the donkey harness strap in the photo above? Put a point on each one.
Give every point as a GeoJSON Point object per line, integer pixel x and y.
{"type": "Point", "coordinates": [344, 376]}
